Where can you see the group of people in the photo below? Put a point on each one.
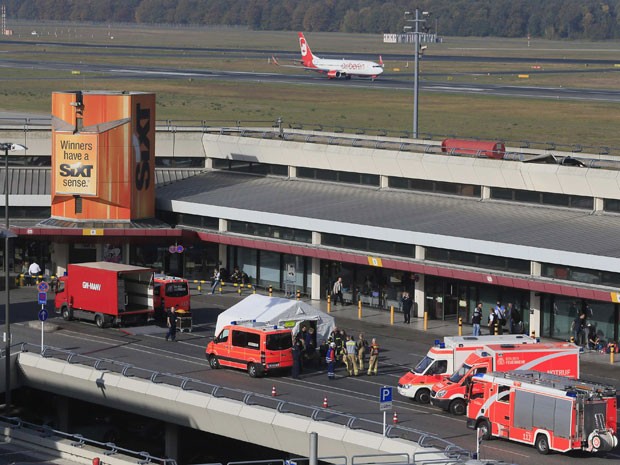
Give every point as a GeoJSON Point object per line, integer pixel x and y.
{"type": "Point", "coordinates": [338, 348]}
{"type": "Point", "coordinates": [501, 318]}
{"type": "Point", "coordinates": [221, 274]}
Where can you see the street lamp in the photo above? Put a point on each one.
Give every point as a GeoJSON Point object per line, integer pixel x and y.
{"type": "Point", "coordinates": [416, 68]}
{"type": "Point", "coordinates": [7, 146]}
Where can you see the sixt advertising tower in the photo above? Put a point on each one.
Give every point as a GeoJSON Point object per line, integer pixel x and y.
{"type": "Point", "coordinates": [103, 156]}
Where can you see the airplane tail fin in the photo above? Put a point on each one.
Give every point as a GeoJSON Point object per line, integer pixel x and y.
{"type": "Point", "coordinates": [306, 54]}
{"type": "Point", "coordinates": [274, 60]}
{"type": "Point", "coordinates": [381, 61]}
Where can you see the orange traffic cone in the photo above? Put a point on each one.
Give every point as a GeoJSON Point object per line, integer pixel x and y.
{"type": "Point", "coordinates": [325, 405]}
{"type": "Point", "coordinates": [395, 418]}
{"type": "Point", "coordinates": [273, 391]}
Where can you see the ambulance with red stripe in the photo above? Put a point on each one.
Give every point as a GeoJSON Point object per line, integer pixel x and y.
{"type": "Point", "coordinates": [559, 358]}
{"type": "Point", "coordinates": [552, 413]}
{"type": "Point", "coordinates": [444, 357]}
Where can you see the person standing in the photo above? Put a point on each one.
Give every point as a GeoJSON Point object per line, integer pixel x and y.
{"type": "Point", "coordinates": [351, 362]}
{"type": "Point", "coordinates": [579, 325]}
{"type": "Point", "coordinates": [34, 270]}
{"type": "Point", "coordinates": [492, 321]}
{"type": "Point", "coordinates": [361, 346]}
{"type": "Point", "coordinates": [297, 357]}
{"type": "Point", "coordinates": [330, 358]}
{"type": "Point", "coordinates": [407, 303]}
{"type": "Point", "coordinates": [337, 292]}
{"type": "Point", "coordinates": [217, 278]}
{"type": "Point", "coordinates": [374, 358]}
{"type": "Point", "coordinates": [171, 322]}
{"type": "Point", "coordinates": [476, 319]}
{"type": "Point", "coordinates": [499, 319]}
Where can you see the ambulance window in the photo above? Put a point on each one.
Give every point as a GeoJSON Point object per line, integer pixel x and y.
{"type": "Point", "coordinates": [157, 290]}
{"type": "Point", "coordinates": [422, 365]}
{"type": "Point", "coordinates": [253, 341]}
{"type": "Point", "coordinates": [223, 337]}
{"type": "Point", "coordinates": [481, 370]}
{"type": "Point", "coordinates": [279, 341]}
{"type": "Point", "coordinates": [503, 394]}
{"type": "Point", "coordinates": [239, 338]}
{"type": "Point", "coordinates": [60, 286]}
{"type": "Point", "coordinates": [437, 368]}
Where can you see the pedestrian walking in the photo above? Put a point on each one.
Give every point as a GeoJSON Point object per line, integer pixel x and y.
{"type": "Point", "coordinates": [362, 347]}
{"type": "Point", "coordinates": [407, 304]}
{"type": "Point", "coordinates": [330, 358]}
{"type": "Point", "coordinates": [351, 355]}
{"type": "Point", "coordinates": [171, 322]}
{"type": "Point", "coordinates": [217, 278]}
{"type": "Point", "coordinates": [374, 357]}
{"type": "Point", "coordinates": [492, 321]}
{"type": "Point", "coordinates": [476, 319]}
{"type": "Point", "coordinates": [500, 317]}
{"type": "Point", "coordinates": [337, 292]}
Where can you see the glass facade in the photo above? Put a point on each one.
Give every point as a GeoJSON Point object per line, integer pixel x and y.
{"type": "Point", "coordinates": [339, 176]}
{"type": "Point", "coordinates": [369, 245]}
{"type": "Point", "coordinates": [243, 166]}
{"type": "Point", "coordinates": [438, 187]}
{"type": "Point", "coordinates": [456, 257]}
{"type": "Point", "coordinates": [582, 275]}
{"type": "Point", "coordinates": [275, 232]}
{"type": "Point", "coordinates": [544, 198]}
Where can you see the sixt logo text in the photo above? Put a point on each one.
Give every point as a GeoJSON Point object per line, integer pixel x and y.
{"type": "Point", "coordinates": [75, 170]}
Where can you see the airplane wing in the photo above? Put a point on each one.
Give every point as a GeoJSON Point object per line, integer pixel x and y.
{"type": "Point", "coordinates": [275, 62]}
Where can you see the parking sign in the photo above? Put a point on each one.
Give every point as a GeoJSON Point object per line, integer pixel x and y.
{"type": "Point", "coordinates": [385, 398]}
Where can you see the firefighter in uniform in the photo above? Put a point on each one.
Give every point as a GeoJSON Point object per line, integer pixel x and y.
{"type": "Point", "coordinates": [374, 357]}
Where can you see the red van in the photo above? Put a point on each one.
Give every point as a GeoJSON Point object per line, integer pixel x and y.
{"type": "Point", "coordinates": [257, 349]}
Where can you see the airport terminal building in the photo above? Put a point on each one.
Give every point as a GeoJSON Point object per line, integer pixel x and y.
{"type": "Point", "coordinates": [295, 209]}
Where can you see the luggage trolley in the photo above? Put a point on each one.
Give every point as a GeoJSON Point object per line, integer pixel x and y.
{"type": "Point", "coordinates": [184, 321]}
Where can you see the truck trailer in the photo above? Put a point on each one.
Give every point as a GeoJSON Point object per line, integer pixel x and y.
{"type": "Point", "coordinates": [560, 358]}
{"type": "Point", "coordinates": [444, 357]}
{"type": "Point", "coordinates": [110, 294]}
{"type": "Point", "coordinates": [552, 413]}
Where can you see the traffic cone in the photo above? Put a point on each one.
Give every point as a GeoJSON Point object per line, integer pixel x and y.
{"type": "Point", "coordinates": [325, 405]}
{"type": "Point", "coordinates": [395, 417]}
{"type": "Point", "coordinates": [273, 391]}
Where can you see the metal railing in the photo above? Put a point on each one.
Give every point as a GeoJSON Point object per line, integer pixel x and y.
{"type": "Point", "coordinates": [79, 441]}
{"type": "Point", "coordinates": [316, 413]}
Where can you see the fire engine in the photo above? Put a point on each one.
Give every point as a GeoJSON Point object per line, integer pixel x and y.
{"type": "Point", "coordinates": [548, 411]}
{"type": "Point", "coordinates": [559, 358]}
{"type": "Point", "coordinates": [444, 357]}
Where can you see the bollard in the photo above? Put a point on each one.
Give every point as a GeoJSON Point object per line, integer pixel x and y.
{"type": "Point", "coordinates": [253, 290]}
{"type": "Point", "coordinates": [572, 339]}
{"type": "Point", "coordinates": [221, 286]}
{"type": "Point", "coordinates": [270, 291]}
{"type": "Point", "coordinates": [359, 309]}
{"type": "Point", "coordinates": [239, 290]}
{"type": "Point", "coordinates": [329, 304]}
{"type": "Point", "coordinates": [534, 334]}
{"type": "Point", "coordinates": [391, 314]}
{"type": "Point", "coordinates": [460, 326]}
{"type": "Point", "coordinates": [298, 294]}
{"type": "Point", "coordinates": [199, 287]}
{"type": "Point", "coordinates": [612, 350]}
{"type": "Point", "coordinates": [496, 328]}
{"type": "Point", "coordinates": [425, 320]}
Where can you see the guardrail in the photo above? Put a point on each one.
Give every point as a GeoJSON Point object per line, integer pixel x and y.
{"type": "Point", "coordinates": [422, 438]}
{"type": "Point", "coordinates": [79, 441]}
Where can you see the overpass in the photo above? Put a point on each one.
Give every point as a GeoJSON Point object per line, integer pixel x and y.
{"type": "Point", "coordinates": [241, 415]}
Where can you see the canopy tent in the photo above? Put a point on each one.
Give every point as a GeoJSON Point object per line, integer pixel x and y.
{"type": "Point", "coordinates": [277, 311]}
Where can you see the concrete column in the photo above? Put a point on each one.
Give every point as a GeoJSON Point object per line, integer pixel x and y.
{"type": "Point", "coordinates": [384, 181]}
{"type": "Point", "coordinates": [535, 269]}
{"type": "Point", "coordinates": [420, 252]}
{"type": "Point", "coordinates": [485, 192]}
{"type": "Point", "coordinates": [62, 414]}
{"type": "Point", "coordinates": [599, 204]}
{"type": "Point", "coordinates": [315, 277]}
{"type": "Point", "coordinates": [292, 171]}
{"type": "Point", "coordinates": [171, 441]}
{"type": "Point", "coordinates": [126, 250]}
{"type": "Point", "coordinates": [209, 163]}
{"type": "Point", "coordinates": [535, 314]}
{"type": "Point", "coordinates": [419, 296]}
{"type": "Point", "coordinates": [222, 227]}
{"type": "Point", "coordinates": [60, 258]}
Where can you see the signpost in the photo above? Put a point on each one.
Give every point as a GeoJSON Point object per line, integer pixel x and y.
{"type": "Point", "coordinates": [385, 403]}
{"type": "Point", "coordinates": [42, 318]}
{"type": "Point", "coordinates": [42, 287]}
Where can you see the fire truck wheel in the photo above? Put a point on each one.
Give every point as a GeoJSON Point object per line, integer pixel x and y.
{"type": "Point", "coordinates": [542, 444]}
{"type": "Point", "coordinates": [485, 429]}
{"type": "Point", "coordinates": [457, 407]}
{"type": "Point", "coordinates": [66, 313]}
{"type": "Point", "coordinates": [423, 396]}
{"type": "Point", "coordinates": [253, 370]}
{"type": "Point", "coordinates": [99, 321]}
{"type": "Point", "coordinates": [214, 362]}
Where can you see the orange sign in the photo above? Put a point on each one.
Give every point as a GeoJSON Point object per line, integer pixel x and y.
{"type": "Point", "coordinates": [75, 164]}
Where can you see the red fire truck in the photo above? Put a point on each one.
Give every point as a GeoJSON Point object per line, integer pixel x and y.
{"type": "Point", "coordinates": [559, 358]}
{"type": "Point", "coordinates": [444, 357]}
{"type": "Point", "coordinates": [547, 411]}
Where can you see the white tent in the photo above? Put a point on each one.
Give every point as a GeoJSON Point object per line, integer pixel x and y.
{"type": "Point", "coordinates": [277, 311]}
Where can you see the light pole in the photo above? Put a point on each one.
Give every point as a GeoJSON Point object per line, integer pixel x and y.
{"type": "Point", "coordinates": [416, 68]}
{"type": "Point", "coordinates": [7, 146]}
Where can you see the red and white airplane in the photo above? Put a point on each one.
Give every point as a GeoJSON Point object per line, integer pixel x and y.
{"type": "Point", "coordinates": [336, 69]}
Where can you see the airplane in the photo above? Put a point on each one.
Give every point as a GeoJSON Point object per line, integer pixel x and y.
{"type": "Point", "coordinates": [336, 69]}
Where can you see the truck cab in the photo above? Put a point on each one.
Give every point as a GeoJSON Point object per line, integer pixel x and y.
{"type": "Point", "coordinates": [170, 291]}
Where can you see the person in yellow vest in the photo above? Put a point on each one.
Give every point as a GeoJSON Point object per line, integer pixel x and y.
{"type": "Point", "coordinates": [374, 357]}
{"type": "Point", "coordinates": [351, 349]}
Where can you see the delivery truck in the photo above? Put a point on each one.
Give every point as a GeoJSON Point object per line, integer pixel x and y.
{"type": "Point", "coordinates": [552, 413]}
{"type": "Point", "coordinates": [560, 358]}
{"type": "Point", "coordinates": [444, 357]}
{"type": "Point", "coordinates": [110, 294]}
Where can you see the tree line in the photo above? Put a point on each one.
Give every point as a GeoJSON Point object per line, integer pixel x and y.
{"type": "Point", "coordinates": [549, 19]}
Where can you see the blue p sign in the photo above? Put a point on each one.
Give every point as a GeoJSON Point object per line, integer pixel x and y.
{"type": "Point", "coordinates": [386, 394]}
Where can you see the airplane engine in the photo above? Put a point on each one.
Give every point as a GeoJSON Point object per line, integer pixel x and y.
{"type": "Point", "coordinates": [333, 74]}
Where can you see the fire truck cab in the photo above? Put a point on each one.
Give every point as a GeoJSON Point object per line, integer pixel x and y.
{"type": "Point", "coordinates": [552, 413]}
